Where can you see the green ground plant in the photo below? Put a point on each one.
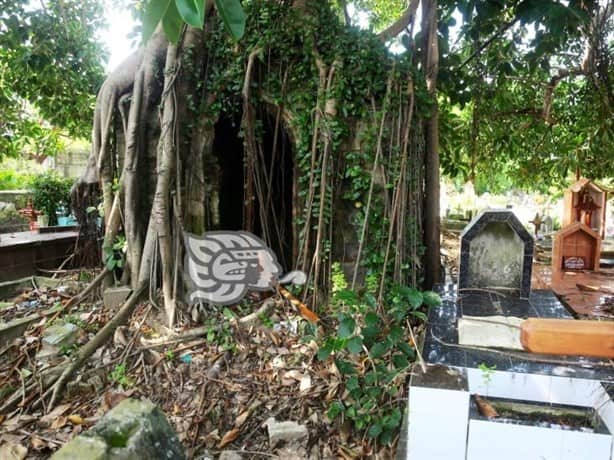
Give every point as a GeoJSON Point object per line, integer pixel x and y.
{"type": "Point", "coordinates": [372, 349]}
{"type": "Point", "coordinates": [119, 376]}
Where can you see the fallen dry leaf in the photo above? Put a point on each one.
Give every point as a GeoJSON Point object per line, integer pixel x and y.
{"type": "Point", "coordinates": [59, 422]}
{"type": "Point", "coordinates": [11, 451]}
{"type": "Point", "coordinates": [305, 383]}
{"type": "Point", "coordinates": [113, 398]}
{"type": "Point", "coordinates": [49, 418]}
{"type": "Point", "coordinates": [229, 437]}
{"type": "Point", "coordinates": [485, 408]}
{"type": "Point", "coordinates": [75, 419]}
{"type": "Point", "coordinates": [37, 443]}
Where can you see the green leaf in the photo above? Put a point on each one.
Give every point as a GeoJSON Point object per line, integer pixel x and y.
{"type": "Point", "coordinates": [346, 296]}
{"type": "Point", "coordinates": [371, 377]}
{"type": "Point", "coordinates": [228, 314]}
{"type": "Point", "coordinates": [233, 16]}
{"type": "Point", "coordinates": [352, 383]}
{"type": "Point", "coordinates": [325, 351]}
{"type": "Point", "coordinates": [407, 349]}
{"type": "Point", "coordinates": [375, 430]}
{"type": "Point", "coordinates": [335, 409]}
{"type": "Point", "coordinates": [396, 333]}
{"type": "Point", "coordinates": [111, 264]}
{"type": "Point", "coordinates": [393, 419]}
{"type": "Point", "coordinates": [354, 345]}
{"type": "Point", "coordinates": [154, 12]}
{"type": "Point", "coordinates": [431, 299]}
{"type": "Point", "coordinates": [192, 12]}
{"type": "Point", "coordinates": [400, 361]}
{"type": "Point", "coordinates": [419, 315]}
{"type": "Point", "coordinates": [371, 319]}
{"type": "Point", "coordinates": [415, 297]}
{"type": "Point", "coordinates": [379, 349]}
{"type": "Point", "coordinates": [369, 333]}
{"type": "Point", "coordinates": [386, 437]}
{"type": "Point", "coordinates": [345, 367]}
{"type": "Point", "coordinates": [370, 300]}
{"type": "Point", "coordinates": [346, 327]}
{"type": "Point", "coordinates": [172, 23]}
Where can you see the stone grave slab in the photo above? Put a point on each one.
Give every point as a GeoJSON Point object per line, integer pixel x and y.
{"type": "Point", "coordinates": [496, 253]}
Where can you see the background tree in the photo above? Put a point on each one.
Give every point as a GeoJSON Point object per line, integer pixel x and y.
{"type": "Point", "coordinates": [528, 89]}
{"type": "Point", "coordinates": [50, 70]}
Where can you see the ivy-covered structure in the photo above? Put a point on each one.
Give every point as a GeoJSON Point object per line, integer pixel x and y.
{"type": "Point", "coordinates": [306, 132]}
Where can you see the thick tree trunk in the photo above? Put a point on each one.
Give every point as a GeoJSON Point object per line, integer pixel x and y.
{"type": "Point", "coordinates": [173, 176]}
{"type": "Point", "coordinates": [432, 266]}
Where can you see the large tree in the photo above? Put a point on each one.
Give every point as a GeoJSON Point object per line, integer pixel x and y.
{"type": "Point", "coordinates": [306, 131]}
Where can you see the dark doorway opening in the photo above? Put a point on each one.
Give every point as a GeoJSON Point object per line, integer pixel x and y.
{"type": "Point", "coordinates": [228, 149]}
{"type": "Point", "coordinates": [273, 204]}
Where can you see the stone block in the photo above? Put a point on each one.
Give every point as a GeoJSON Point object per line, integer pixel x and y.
{"type": "Point", "coordinates": [288, 431]}
{"type": "Point", "coordinates": [114, 297]}
{"type": "Point", "coordinates": [56, 338]}
{"type": "Point", "coordinates": [133, 430]}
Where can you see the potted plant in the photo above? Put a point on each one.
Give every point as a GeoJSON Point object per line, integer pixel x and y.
{"type": "Point", "coordinates": [49, 191]}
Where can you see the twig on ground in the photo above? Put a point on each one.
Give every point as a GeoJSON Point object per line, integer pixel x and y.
{"type": "Point", "coordinates": [99, 339]}
{"type": "Point", "coordinates": [418, 354]}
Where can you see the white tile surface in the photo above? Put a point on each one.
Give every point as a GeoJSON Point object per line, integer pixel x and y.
{"type": "Point", "coordinates": [437, 426]}
{"type": "Point", "coordinates": [500, 441]}
{"type": "Point", "coordinates": [606, 412]}
{"type": "Point", "coordinates": [535, 387]}
{"type": "Point", "coordinates": [512, 385]}
{"type": "Point", "coordinates": [574, 392]}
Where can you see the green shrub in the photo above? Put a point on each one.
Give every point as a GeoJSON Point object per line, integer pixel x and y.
{"type": "Point", "coordinates": [50, 191]}
{"type": "Point", "coordinates": [14, 180]}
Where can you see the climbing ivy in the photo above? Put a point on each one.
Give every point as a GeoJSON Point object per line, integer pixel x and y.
{"type": "Point", "coordinates": [290, 49]}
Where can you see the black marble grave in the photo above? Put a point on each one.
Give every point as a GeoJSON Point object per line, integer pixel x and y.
{"type": "Point", "coordinates": [496, 253]}
{"type": "Point", "coordinates": [441, 341]}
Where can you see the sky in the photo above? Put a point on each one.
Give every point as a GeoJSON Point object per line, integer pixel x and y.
{"type": "Point", "coordinates": [121, 24]}
{"type": "Point", "coordinates": [116, 36]}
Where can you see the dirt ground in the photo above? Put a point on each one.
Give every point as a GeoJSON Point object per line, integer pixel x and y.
{"type": "Point", "coordinates": [216, 389]}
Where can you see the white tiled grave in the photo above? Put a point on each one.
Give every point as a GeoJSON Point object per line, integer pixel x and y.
{"type": "Point", "coordinates": [442, 419]}
{"type": "Point", "coordinates": [441, 424]}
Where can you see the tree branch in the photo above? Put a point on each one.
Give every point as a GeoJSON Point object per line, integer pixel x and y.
{"type": "Point", "coordinates": [488, 42]}
{"type": "Point", "coordinates": [563, 73]}
{"type": "Point", "coordinates": [400, 24]}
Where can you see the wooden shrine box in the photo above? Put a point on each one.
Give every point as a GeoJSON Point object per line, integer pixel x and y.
{"type": "Point", "coordinates": [585, 202]}
{"type": "Point", "coordinates": [576, 247]}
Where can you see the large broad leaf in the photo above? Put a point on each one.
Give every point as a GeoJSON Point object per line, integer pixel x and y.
{"type": "Point", "coordinates": [172, 23]}
{"type": "Point", "coordinates": [155, 10]}
{"type": "Point", "coordinates": [354, 345]}
{"type": "Point", "coordinates": [192, 12]}
{"type": "Point", "coordinates": [346, 327]}
{"type": "Point", "coordinates": [431, 299]}
{"type": "Point", "coordinates": [233, 16]}
{"type": "Point", "coordinates": [415, 297]}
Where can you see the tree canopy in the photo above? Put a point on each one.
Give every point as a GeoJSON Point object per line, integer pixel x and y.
{"type": "Point", "coordinates": [51, 66]}
{"type": "Point", "coordinates": [527, 92]}
{"type": "Point", "coordinates": [525, 85]}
